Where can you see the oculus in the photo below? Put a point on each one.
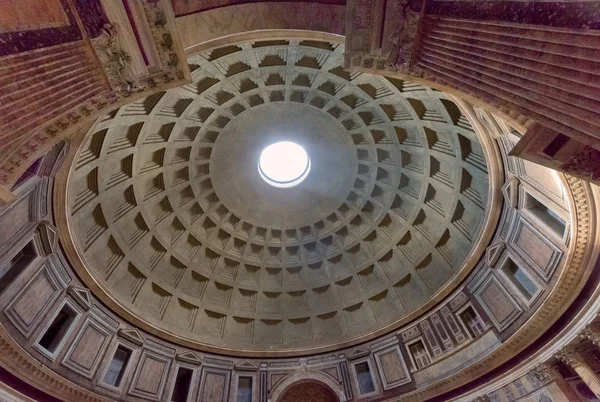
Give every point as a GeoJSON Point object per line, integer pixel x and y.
{"type": "Point", "coordinates": [284, 164]}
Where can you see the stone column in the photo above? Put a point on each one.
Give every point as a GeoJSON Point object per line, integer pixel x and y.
{"type": "Point", "coordinates": [547, 372]}
{"type": "Point", "coordinates": [572, 357]}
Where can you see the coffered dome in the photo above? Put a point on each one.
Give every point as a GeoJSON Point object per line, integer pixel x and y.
{"type": "Point", "coordinates": [176, 229]}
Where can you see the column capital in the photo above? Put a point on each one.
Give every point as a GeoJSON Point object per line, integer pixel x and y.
{"type": "Point", "coordinates": [570, 355]}
{"type": "Point", "coordinates": [591, 332]}
{"type": "Point", "coordinates": [546, 372]}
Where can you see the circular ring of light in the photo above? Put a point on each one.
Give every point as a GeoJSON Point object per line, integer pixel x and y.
{"type": "Point", "coordinates": [284, 164]}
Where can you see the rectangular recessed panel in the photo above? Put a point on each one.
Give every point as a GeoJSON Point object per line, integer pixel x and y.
{"type": "Point", "coordinates": [87, 349]}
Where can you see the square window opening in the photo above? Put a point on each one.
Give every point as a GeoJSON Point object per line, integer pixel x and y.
{"type": "Point", "coordinates": [244, 392]}
{"type": "Point", "coordinates": [547, 215]}
{"type": "Point", "coordinates": [182, 385]}
{"type": "Point", "coordinates": [16, 265]}
{"type": "Point", "coordinates": [57, 330]}
{"type": "Point", "coordinates": [519, 279]}
{"type": "Point", "coordinates": [365, 380]}
{"type": "Point", "coordinates": [118, 365]}
{"type": "Point", "coordinates": [419, 355]}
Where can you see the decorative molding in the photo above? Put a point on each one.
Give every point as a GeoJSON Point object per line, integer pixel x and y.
{"type": "Point", "coordinates": [132, 335]}
{"type": "Point", "coordinates": [571, 356]}
{"type": "Point", "coordinates": [493, 253]}
{"type": "Point", "coordinates": [306, 376]}
{"type": "Point", "coordinates": [510, 191]}
{"type": "Point", "coordinates": [189, 357]}
{"type": "Point", "coordinates": [592, 332]}
{"type": "Point", "coordinates": [246, 366]}
{"type": "Point", "coordinates": [81, 295]}
{"type": "Point", "coordinates": [150, 376]}
{"type": "Point", "coordinates": [115, 62]}
{"type": "Point", "coordinates": [48, 236]}
{"type": "Point", "coordinates": [358, 353]}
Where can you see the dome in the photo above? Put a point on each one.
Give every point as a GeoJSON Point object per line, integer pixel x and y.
{"type": "Point", "coordinates": [325, 200]}
{"type": "Point", "coordinates": [180, 233]}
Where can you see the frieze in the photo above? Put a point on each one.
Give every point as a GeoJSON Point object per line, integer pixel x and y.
{"type": "Point", "coordinates": [382, 35]}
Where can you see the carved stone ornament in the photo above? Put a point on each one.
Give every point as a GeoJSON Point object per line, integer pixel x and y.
{"type": "Point", "coordinates": [132, 335]}
{"type": "Point", "coordinates": [592, 332]}
{"type": "Point", "coordinates": [510, 191]}
{"type": "Point", "coordinates": [358, 353]}
{"type": "Point", "coordinates": [404, 40]}
{"type": "Point", "coordinates": [81, 295]}
{"type": "Point", "coordinates": [585, 164]}
{"type": "Point", "coordinates": [493, 253]}
{"type": "Point", "coordinates": [382, 35]}
{"type": "Point", "coordinates": [246, 366]}
{"type": "Point", "coordinates": [115, 61]}
{"type": "Point", "coordinates": [49, 236]}
{"type": "Point", "coordinates": [570, 356]}
{"type": "Point", "coordinates": [489, 122]}
{"type": "Point", "coordinates": [189, 357]}
{"type": "Point", "coordinates": [544, 372]}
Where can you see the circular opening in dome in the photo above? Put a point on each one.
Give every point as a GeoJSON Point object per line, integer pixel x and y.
{"type": "Point", "coordinates": [284, 164]}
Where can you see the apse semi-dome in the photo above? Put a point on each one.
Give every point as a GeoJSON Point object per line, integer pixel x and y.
{"type": "Point", "coordinates": [174, 227]}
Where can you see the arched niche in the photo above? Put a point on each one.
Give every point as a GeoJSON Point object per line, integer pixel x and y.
{"type": "Point", "coordinates": [308, 386]}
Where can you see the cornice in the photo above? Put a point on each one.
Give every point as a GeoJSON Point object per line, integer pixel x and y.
{"type": "Point", "coordinates": [18, 362]}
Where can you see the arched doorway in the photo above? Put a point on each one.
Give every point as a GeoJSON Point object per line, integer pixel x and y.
{"type": "Point", "coordinates": [309, 392]}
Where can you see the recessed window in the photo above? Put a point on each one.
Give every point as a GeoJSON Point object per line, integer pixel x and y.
{"type": "Point", "coordinates": [118, 365]}
{"type": "Point", "coordinates": [57, 330]}
{"type": "Point", "coordinates": [472, 322]}
{"type": "Point", "coordinates": [181, 389]}
{"type": "Point", "coordinates": [556, 145]}
{"type": "Point", "coordinates": [16, 265]}
{"type": "Point", "coordinates": [419, 355]}
{"type": "Point", "coordinates": [365, 380]}
{"type": "Point", "coordinates": [244, 391]}
{"type": "Point", "coordinates": [548, 216]}
{"type": "Point", "coordinates": [519, 279]}
{"type": "Point", "coordinates": [284, 164]}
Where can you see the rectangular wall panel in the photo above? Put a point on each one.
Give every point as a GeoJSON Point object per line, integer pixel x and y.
{"type": "Point", "coordinates": [497, 303]}
{"type": "Point", "coordinates": [214, 385]}
{"type": "Point", "coordinates": [86, 352]}
{"type": "Point", "coordinates": [541, 254]}
{"type": "Point", "coordinates": [392, 367]}
{"type": "Point", "coordinates": [21, 216]}
{"type": "Point", "coordinates": [34, 300]}
{"type": "Point", "coordinates": [150, 375]}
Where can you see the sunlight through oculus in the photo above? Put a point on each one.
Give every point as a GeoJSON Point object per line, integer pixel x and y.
{"type": "Point", "coordinates": [284, 164]}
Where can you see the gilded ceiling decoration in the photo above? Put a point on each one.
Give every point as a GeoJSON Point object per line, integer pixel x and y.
{"type": "Point", "coordinates": [173, 222]}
